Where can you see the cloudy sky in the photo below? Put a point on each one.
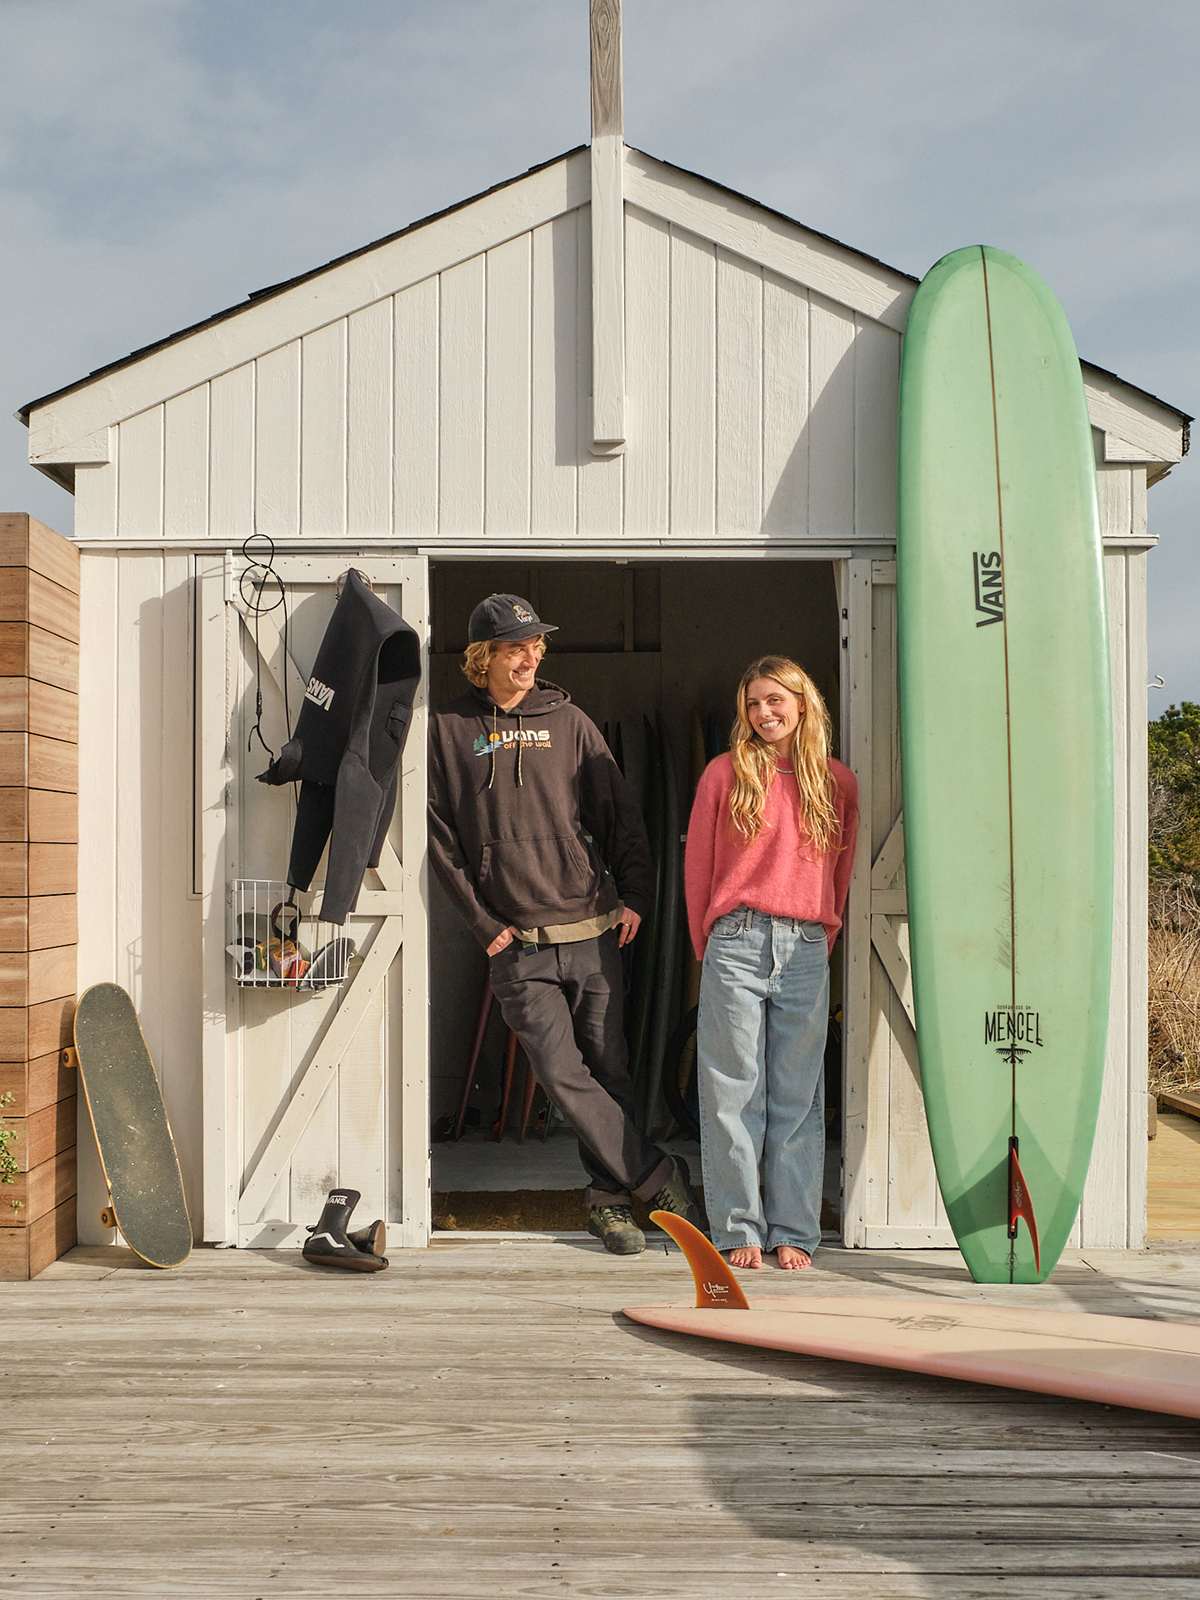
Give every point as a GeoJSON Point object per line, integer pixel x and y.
{"type": "Point", "coordinates": [159, 159]}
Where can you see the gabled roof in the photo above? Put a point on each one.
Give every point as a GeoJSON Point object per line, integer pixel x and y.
{"type": "Point", "coordinates": [257, 296]}
{"type": "Point", "coordinates": [710, 209]}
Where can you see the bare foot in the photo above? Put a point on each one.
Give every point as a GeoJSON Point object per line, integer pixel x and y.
{"type": "Point", "coordinates": [791, 1259]}
{"type": "Point", "coordinates": [748, 1255]}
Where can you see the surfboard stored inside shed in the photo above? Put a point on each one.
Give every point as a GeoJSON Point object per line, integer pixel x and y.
{"type": "Point", "coordinates": [668, 415]}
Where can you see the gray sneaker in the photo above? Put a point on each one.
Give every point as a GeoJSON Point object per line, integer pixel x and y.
{"type": "Point", "coordinates": [615, 1228]}
{"type": "Point", "coordinates": [676, 1196]}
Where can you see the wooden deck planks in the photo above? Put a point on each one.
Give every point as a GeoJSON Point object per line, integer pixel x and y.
{"type": "Point", "coordinates": [1173, 1189]}
{"type": "Point", "coordinates": [481, 1421]}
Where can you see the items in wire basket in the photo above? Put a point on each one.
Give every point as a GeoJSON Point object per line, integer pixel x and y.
{"type": "Point", "coordinates": [269, 949]}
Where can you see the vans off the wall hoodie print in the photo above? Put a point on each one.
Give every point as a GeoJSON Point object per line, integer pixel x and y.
{"type": "Point", "coordinates": [511, 795]}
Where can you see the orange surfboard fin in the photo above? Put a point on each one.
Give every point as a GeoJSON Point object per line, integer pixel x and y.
{"type": "Point", "coordinates": [1020, 1204]}
{"type": "Point", "coordinates": [716, 1287]}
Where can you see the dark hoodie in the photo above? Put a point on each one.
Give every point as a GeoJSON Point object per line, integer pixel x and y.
{"type": "Point", "coordinates": [511, 794]}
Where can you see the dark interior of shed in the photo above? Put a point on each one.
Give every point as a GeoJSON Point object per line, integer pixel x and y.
{"type": "Point", "coordinates": [653, 652]}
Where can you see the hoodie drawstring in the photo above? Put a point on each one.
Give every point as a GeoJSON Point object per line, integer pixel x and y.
{"type": "Point", "coordinates": [496, 746]}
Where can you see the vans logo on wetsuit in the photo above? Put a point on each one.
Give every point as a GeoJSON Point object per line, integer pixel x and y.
{"type": "Point", "coordinates": [526, 736]}
{"type": "Point", "coordinates": [319, 693]}
{"type": "Point", "coordinates": [989, 587]}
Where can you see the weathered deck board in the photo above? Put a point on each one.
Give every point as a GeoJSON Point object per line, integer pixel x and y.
{"type": "Point", "coordinates": [478, 1421]}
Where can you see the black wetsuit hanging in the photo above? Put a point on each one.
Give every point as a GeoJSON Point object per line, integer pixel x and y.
{"type": "Point", "coordinates": [347, 745]}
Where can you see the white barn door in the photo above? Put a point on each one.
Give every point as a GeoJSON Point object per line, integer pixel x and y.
{"type": "Point", "coordinates": [890, 1196]}
{"type": "Point", "coordinates": [306, 1091]}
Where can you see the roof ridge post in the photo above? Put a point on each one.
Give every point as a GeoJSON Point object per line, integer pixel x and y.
{"type": "Point", "coordinates": [608, 229]}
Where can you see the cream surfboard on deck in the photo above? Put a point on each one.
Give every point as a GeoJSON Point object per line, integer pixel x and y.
{"type": "Point", "coordinates": [1007, 752]}
{"type": "Point", "coordinates": [1122, 1361]}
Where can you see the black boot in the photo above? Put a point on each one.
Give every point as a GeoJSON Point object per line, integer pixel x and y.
{"type": "Point", "coordinates": [328, 1244]}
{"type": "Point", "coordinates": [372, 1240]}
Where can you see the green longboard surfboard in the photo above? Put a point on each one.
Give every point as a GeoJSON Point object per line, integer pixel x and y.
{"type": "Point", "coordinates": [1007, 751]}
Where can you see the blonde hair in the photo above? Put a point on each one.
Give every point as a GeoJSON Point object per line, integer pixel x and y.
{"type": "Point", "coordinates": [754, 760]}
{"type": "Point", "coordinates": [477, 656]}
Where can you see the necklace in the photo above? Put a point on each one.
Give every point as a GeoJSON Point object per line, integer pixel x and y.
{"type": "Point", "coordinates": [788, 770]}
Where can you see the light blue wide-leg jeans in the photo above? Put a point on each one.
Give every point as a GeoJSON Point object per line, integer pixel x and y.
{"type": "Point", "coordinates": [760, 1048]}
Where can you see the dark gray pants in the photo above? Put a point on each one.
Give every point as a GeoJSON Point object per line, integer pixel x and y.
{"type": "Point", "coordinates": [564, 1003]}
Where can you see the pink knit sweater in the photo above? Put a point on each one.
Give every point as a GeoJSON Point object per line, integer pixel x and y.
{"type": "Point", "coordinates": [778, 872]}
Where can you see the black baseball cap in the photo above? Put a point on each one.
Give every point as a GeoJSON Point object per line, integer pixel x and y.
{"type": "Point", "coordinates": [506, 616]}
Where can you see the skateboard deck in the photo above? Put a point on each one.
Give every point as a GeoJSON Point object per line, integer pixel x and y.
{"type": "Point", "coordinates": [133, 1135]}
{"type": "Point", "coordinates": [1006, 736]}
{"type": "Point", "coordinates": [1118, 1361]}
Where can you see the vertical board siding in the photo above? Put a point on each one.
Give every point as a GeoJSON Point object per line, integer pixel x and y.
{"type": "Point", "coordinates": [785, 407]}
{"type": "Point", "coordinates": [876, 416]}
{"type": "Point", "coordinates": [175, 1010]}
{"type": "Point", "coordinates": [231, 462]}
{"type": "Point", "coordinates": [96, 495]}
{"type": "Point", "coordinates": [693, 385]}
{"type": "Point", "coordinates": [137, 925]}
{"type": "Point", "coordinates": [1114, 496]}
{"type": "Point", "coordinates": [507, 419]}
{"type": "Point", "coordinates": [1104, 1214]}
{"type": "Point", "coordinates": [1132, 837]}
{"type": "Point", "coordinates": [140, 476]}
{"type": "Point", "coordinates": [462, 407]}
{"type": "Point", "coordinates": [185, 465]}
{"type": "Point", "coordinates": [277, 443]}
{"type": "Point", "coordinates": [416, 326]}
{"type": "Point", "coordinates": [370, 388]}
{"type": "Point", "coordinates": [323, 432]}
{"type": "Point", "coordinates": [739, 394]}
{"type": "Point", "coordinates": [831, 421]}
{"type": "Point", "coordinates": [461, 399]}
{"type": "Point", "coordinates": [554, 378]}
{"type": "Point", "coordinates": [647, 375]}
{"type": "Point", "coordinates": [100, 627]}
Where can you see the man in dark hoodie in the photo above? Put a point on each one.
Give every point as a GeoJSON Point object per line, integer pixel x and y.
{"type": "Point", "coordinates": [542, 850]}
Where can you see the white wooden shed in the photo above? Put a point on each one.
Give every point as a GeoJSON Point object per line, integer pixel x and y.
{"type": "Point", "coordinates": [665, 412]}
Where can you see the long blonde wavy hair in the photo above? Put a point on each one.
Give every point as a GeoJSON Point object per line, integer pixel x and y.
{"type": "Point", "coordinates": [754, 761]}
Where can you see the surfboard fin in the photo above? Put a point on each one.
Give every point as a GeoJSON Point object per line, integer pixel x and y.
{"type": "Point", "coordinates": [1020, 1204]}
{"type": "Point", "coordinates": [716, 1287]}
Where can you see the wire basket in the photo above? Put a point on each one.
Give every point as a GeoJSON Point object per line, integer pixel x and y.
{"type": "Point", "coordinates": [275, 944]}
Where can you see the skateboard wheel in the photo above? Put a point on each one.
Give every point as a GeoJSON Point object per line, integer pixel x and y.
{"type": "Point", "coordinates": [108, 1218]}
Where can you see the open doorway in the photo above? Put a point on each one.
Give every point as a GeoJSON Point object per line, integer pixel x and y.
{"type": "Point", "coordinates": [652, 652]}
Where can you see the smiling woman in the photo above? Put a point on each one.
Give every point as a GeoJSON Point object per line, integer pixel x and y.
{"type": "Point", "coordinates": [770, 847]}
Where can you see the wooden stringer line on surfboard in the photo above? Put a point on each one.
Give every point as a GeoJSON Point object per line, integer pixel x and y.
{"type": "Point", "coordinates": [1020, 1202]}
